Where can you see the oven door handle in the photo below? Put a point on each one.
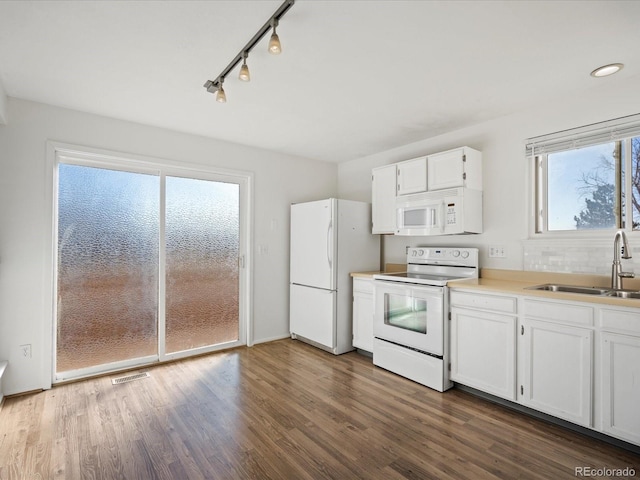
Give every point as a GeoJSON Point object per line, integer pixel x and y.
{"type": "Point", "coordinates": [394, 286]}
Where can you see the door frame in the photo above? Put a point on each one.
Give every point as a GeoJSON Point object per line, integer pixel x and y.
{"type": "Point", "coordinates": [92, 157]}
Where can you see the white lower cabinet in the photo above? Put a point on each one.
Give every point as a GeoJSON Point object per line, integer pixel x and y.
{"type": "Point", "coordinates": [483, 343]}
{"type": "Point", "coordinates": [363, 314]}
{"type": "Point", "coordinates": [557, 355]}
{"type": "Point", "coordinates": [620, 367]}
{"type": "Point", "coordinates": [558, 375]}
{"type": "Point", "coordinates": [573, 360]}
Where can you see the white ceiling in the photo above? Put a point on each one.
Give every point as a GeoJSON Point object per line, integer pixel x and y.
{"type": "Point", "coordinates": [355, 77]}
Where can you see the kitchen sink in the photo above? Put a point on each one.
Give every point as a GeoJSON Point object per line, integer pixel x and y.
{"type": "Point", "coordinates": [554, 287]}
{"type": "Point", "coordinates": [605, 292]}
{"type": "Point", "coordinates": [625, 293]}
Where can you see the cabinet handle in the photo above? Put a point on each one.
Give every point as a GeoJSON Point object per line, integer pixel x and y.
{"type": "Point", "coordinates": [521, 390]}
{"type": "Point", "coordinates": [521, 329]}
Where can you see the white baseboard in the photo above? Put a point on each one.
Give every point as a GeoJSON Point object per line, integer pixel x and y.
{"type": "Point", "coordinates": [3, 366]}
{"type": "Point", "coordinates": [271, 339]}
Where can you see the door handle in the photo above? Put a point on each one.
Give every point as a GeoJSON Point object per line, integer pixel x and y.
{"type": "Point", "coordinates": [329, 244]}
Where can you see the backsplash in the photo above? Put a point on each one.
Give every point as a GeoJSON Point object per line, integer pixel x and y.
{"type": "Point", "coordinates": [576, 257]}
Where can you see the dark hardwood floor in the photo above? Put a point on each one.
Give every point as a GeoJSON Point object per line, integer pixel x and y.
{"type": "Point", "coordinates": [282, 410]}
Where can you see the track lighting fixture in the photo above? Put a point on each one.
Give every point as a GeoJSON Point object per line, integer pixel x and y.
{"type": "Point", "coordinates": [244, 69]}
{"type": "Point", "coordinates": [221, 97]}
{"type": "Point", "coordinates": [274, 42]}
{"type": "Point", "coordinates": [215, 86]}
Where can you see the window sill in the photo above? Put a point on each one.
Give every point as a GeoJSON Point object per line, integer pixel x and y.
{"type": "Point", "coordinates": [569, 239]}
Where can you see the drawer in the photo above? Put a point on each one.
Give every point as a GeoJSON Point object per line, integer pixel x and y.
{"type": "Point", "coordinates": [620, 321]}
{"type": "Point", "coordinates": [496, 303]}
{"type": "Point", "coordinates": [363, 285]}
{"type": "Point", "coordinates": [569, 313]}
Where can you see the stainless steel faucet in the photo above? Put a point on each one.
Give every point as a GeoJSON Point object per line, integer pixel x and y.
{"type": "Point", "coordinates": [616, 269]}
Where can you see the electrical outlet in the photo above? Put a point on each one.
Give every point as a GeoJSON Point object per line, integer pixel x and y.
{"type": "Point", "coordinates": [497, 251]}
{"type": "Point", "coordinates": [25, 350]}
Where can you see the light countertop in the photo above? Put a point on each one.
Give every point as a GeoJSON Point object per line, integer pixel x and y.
{"type": "Point", "coordinates": [516, 282]}
{"type": "Point", "coordinates": [388, 268]}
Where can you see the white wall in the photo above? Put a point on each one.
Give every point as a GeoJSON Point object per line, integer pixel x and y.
{"type": "Point", "coordinates": [3, 106]}
{"type": "Point", "coordinates": [279, 181]}
{"type": "Point", "coordinates": [505, 173]}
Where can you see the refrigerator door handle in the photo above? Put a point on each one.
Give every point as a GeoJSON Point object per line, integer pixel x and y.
{"type": "Point", "coordinates": [329, 244]}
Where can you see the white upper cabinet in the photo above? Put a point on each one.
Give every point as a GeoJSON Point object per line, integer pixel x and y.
{"type": "Point", "coordinates": [406, 181]}
{"type": "Point", "coordinates": [412, 176]}
{"type": "Point", "coordinates": [460, 167]}
{"type": "Point", "coordinates": [383, 201]}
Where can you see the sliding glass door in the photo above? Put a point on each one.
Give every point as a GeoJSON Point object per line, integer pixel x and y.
{"type": "Point", "coordinates": [108, 234]}
{"type": "Point", "coordinates": [147, 267]}
{"type": "Point", "coordinates": [202, 240]}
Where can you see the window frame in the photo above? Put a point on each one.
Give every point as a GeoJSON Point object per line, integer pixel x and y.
{"type": "Point", "coordinates": [538, 190]}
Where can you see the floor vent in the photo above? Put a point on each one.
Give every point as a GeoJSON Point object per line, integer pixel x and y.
{"type": "Point", "coordinates": [129, 378]}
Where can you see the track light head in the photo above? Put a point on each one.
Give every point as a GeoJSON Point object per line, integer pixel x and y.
{"type": "Point", "coordinates": [274, 42]}
{"type": "Point", "coordinates": [244, 75]}
{"type": "Point", "coordinates": [221, 96]}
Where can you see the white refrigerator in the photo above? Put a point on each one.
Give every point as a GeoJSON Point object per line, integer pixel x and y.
{"type": "Point", "coordinates": [329, 239]}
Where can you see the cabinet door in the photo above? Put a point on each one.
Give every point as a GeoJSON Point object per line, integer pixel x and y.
{"type": "Point", "coordinates": [412, 176]}
{"type": "Point", "coordinates": [621, 386]}
{"type": "Point", "coordinates": [558, 370]}
{"type": "Point", "coordinates": [363, 321]}
{"type": "Point", "coordinates": [446, 170]}
{"type": "Point", "coordinates": [383, 199]}
{"type": "Point", "coordinates": [483, 351]}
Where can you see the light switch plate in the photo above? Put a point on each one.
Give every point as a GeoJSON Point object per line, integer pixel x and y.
{"type": "Point", "coordinates": [497, 251]}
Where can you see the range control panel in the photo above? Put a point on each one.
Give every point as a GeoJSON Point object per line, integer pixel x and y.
{"type": "Point", "coordinates": [443, 255]}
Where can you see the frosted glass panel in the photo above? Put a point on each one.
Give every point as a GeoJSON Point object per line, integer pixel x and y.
{"type": "Point", "coordinates": [202, 238]}
{"type": "Point", "coordinates": [108, 230]}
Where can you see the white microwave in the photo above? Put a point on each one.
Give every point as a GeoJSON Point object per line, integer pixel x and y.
{"type": "Point", "coordinates": [443, 212]}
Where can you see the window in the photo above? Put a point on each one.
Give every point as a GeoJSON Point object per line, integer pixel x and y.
{"type": "Point", "coordinates": [584, 177]}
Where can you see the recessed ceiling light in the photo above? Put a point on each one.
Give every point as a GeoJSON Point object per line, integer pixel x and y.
{"type": "Point", "coordinates": [607, 70]}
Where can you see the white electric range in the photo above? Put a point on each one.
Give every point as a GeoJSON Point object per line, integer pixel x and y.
{"type": "Point", "coordinates": [410, 327]}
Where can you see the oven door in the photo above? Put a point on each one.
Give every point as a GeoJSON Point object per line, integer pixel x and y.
{"type": "Point", "coordinates": [410, 315]}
